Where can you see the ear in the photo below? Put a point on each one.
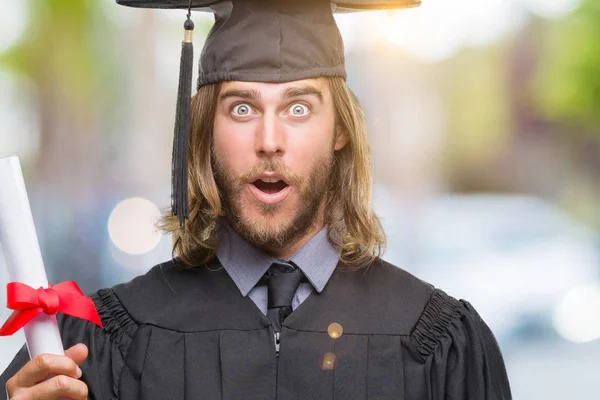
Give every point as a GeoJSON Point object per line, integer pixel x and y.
{"type": "Point", "coordinates": [341, 139]}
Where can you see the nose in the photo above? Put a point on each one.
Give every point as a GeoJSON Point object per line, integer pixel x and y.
{"type": "Point", "coordinates": [270, 136]}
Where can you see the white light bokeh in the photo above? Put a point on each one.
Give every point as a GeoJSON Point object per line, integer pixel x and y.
{"type": "Point", "coordinates": [19, 122]}
{"type": "Point", "coordinates": [13, 21]}
{"type": "Point", "coordinates": [131, 226]}
{"type": "Point", "coordinates": [438, 28]}
{"type": "Point", "coordinates": [577, 314]}
{"type": "Point", "coordinates": [551, 8]}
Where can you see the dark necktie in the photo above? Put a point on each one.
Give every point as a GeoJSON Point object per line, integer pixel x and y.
{"type": "Point", "coordinates": [282, 281]}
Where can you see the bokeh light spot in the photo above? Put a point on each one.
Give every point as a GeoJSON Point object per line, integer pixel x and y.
{"type": "Point", "coordinates": [335, 330]}
{"type": "Point", "coordinates": [577, 315]}
{"type": "Point", "coordinates": [14, 20]}
{"type": "Point", "coordinates": [329, 362]}
{"type": "Point", "coordinates": [131, 226]}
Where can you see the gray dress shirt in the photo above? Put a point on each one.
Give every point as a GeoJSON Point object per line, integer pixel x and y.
{"type": "Point", "coordinates": [246, 264]}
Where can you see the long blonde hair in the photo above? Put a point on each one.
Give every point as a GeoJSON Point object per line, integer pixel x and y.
{"type": "Point", "coordinates": [352, 225]}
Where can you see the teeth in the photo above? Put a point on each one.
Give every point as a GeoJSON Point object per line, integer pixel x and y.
{"type": "Point", "coordinates": [269, 180]}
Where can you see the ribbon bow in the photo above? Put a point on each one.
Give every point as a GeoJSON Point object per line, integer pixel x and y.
{"type": "Point", "coordinates": [28, 302]}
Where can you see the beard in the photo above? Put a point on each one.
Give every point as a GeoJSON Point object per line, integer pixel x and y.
{"type": "Point", "coordinates": [311, 194]}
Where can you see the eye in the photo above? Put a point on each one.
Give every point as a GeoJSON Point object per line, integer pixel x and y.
{"type": "Point", "coordinates": [299, 110]}
{"type": "Point", "coordinates": [242, 109]}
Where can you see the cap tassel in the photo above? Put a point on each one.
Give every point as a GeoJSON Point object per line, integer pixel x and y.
{"type": "Point", "coordinates": [181, 137]}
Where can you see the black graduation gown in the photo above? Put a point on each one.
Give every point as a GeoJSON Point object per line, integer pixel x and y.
{"type": "Point", "coordinates": [173, 334]}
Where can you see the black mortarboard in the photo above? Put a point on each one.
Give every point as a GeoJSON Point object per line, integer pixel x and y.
{"type": "Point", "coordinates": [256, 41]}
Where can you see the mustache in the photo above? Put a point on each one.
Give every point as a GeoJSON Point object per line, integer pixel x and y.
{"type": "Point", "coordinates": [270, 165]}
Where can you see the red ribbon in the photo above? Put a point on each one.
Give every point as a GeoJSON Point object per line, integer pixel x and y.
{"type": "Point", "coordinates": [28, 302]}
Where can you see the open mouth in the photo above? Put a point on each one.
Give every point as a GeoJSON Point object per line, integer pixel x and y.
{"type": "Point", "coordinates": [270, 185]}
{"type": "Point", "coordinates": [270, 189]}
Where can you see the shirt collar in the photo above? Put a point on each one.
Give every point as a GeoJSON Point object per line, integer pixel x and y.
{"type": "Point", "coordinates": [246, 264]}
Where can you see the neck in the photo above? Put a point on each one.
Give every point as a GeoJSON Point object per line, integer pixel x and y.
{"type": "Point", "coordinates": [286, 252]}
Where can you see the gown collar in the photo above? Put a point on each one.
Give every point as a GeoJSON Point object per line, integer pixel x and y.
{"type": "Point", "coordinates": [246, 264]}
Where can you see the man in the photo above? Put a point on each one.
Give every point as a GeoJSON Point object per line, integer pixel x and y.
{"type": "Point", "coordinates": [277, 290]}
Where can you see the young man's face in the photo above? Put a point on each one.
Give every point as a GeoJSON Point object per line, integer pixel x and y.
{"type": "Point", "coordinates": [273, 152]}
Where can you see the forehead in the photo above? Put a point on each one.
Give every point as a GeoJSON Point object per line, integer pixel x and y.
{"type": "Point", "coordinates": [272, 90]}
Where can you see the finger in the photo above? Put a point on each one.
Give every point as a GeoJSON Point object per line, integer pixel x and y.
{"type": "Point", "coordinates": [77, 353]}
{"type": "Point", "coordinates": [38, 368]}
{"type": "Point", "coordinates": [57, 387]}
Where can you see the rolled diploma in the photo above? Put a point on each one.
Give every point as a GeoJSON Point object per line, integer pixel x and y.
{"type": "Point", "coordinates": [22, 254]}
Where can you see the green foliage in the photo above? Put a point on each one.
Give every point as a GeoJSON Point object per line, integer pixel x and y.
{"type": "Point", "coordinates": [476, 95]}
{"type": "Point", "coordinates": [61, 48]}
{"type": "Point", "coordinates": [568, 83]}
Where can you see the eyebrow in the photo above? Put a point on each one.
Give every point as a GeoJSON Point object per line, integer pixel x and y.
{"type": "Point", "coordinates": [251, 94]}
{"type": "Point", "coordinates": [302, 91]}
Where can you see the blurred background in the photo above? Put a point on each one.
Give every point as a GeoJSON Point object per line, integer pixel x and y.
{"type": "Point", "coordinates": [484, 125]}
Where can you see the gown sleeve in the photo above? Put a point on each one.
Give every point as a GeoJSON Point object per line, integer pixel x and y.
{"type": "Point", "coordinates": [463, 359]}
{"type": "Point", "coordinates": [107, 346]}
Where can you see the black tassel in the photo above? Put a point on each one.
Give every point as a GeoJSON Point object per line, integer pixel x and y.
{"type": "Point", "coordinates": [181, 137]}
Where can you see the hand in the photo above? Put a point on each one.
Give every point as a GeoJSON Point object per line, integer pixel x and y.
{"type": "Point", "coordinates": [31, 382]}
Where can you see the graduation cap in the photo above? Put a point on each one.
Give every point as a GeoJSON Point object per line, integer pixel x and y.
{"type": "Point", "coordinates": [255, 41]}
